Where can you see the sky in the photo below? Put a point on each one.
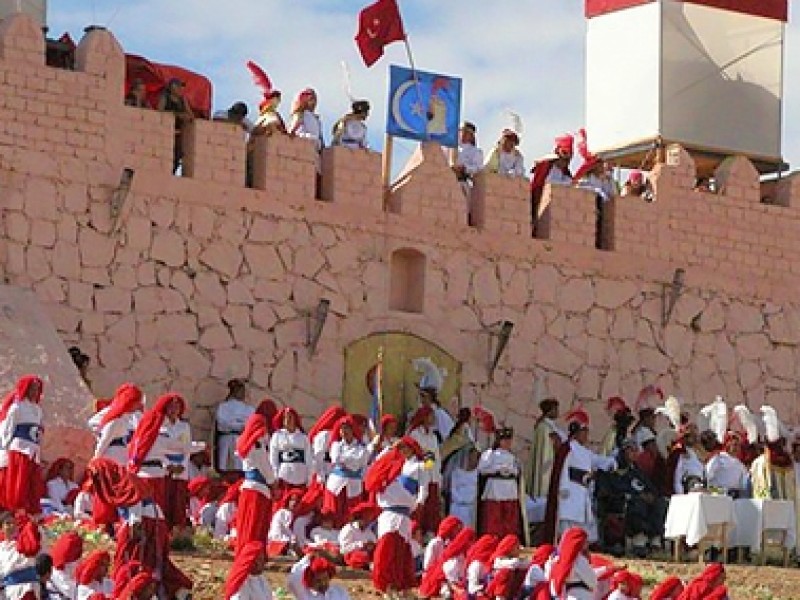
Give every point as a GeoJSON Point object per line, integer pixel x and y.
{"type": "Point", "coordinates": [522, 55]}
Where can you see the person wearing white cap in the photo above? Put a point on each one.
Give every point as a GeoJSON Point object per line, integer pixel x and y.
{"type": "Point", "coordinates": [506, 159]}
{"type": "Point", "coordinates": [468, 162]}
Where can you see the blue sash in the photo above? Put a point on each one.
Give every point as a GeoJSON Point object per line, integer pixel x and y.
{"type": "Point", "coordinates": [20, 576]}
{"type": "Point", "coordinates": [255, 475]}
{"type": "Point", "coordinates": [30, 432]}
{"type": "Point", "coordinates": [410, 484]}
{"type": "Point", "coordinates": [346, 473]}
{"type": "Point", "coordinates": [175, 458]}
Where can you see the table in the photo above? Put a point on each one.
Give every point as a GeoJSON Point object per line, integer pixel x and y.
{"type": "Point", "coordinates": [754, 517]}
{"type": "Point", "coordinates": [691, 516]}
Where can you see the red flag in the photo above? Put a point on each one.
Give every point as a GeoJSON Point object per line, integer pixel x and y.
{"type": "Point", "coordinates": [379, 24]}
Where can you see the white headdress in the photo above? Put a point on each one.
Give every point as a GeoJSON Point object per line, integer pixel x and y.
{"type": "Point", "coordinates": [716, 415]}
{"type": "Point", "coordinates": [748, 421]}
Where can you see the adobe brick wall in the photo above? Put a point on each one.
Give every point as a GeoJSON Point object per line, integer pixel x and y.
{"type": "Point", "coordinates": [203, 279]}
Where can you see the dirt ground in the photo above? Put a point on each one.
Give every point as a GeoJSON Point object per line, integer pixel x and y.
{"type": "Point", "coordinates": [208, 570]}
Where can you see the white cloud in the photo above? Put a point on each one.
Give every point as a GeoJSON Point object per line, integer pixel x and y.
{"type": "Point", "coordinates": [528, 56]}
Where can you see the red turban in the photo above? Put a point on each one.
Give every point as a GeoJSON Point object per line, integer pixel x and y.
{"type": "Point", "coordinates": [197, 485]}
{"type": "Point", "coordinates": [55, 469]}
{"type": "Point", "coordinates": [702, 586]}
{"type": "Point", "coordinates": [326, 421]}
{"type": "Point", "coordinates": [123, 576]}
{"type": "Point", "coordinates": [671, 587]}
{"type": "Point", "coordinates": [147, 431]}
{"type": "Point", "coordinates": [232, 493]}
{"type": "Point", "coordinates": [254, 429]}
{"type": "Point", "coordinates": [434, 577]}
{"type": "Point", "coordinates": [571, 545]}
{"type": "Point", "coordinates": [386, 419]}
{"type": "Point", "coordinates": [19, 392]}
{"type": "Point", "coordinates": [384, 471]}
{"type": "Point", "coordinates": [268, 410]}
{"type": "Point", "coordinates": [242, 564]}
{"type": "Point", "coordinates": [127, 400]}
{"type": "Point", "coordinates": [336, 432]}
{"type": "Point", "coordinates": [460, 544]}
{"type": "Point", "coordinates": [542, 553]}
{"type": "Point", "coordinates": [90, 568]}
{"type": "Point", "coordinates": [422, 414]}
{"type": "Point", "coordinates": [565, 142]}
{"type": "Point", "coordinates": [449, 527]}
{"type": "Point", "coordinates": [318, 566]}
{"type": "Point", "coordinates": [28, 536]}
{"type": "Point", "coordinates": [66, 549]}
{"type": "Point", "coordinates": [482, 550]}
{"type": "Point", "coordinates": [507, 545]}
{"type": "Point", "coordinates": [280, 417]}
{"type": "Point", "coordinates": [135, 586]}
{"type": "Point", "coordinates": [365, 510]}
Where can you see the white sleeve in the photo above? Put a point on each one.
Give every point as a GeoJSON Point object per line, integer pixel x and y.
{"type": "Point", "coordinates": [55, 493]}
{"type": "Point", "coordinates": [7, 427]}
{"type": "Point", "coordinates": [104, 440]}
{"type": "Point", "coordinates": [451, 571]}
{"type": "Point", "coordinates": [583, 570]}
{"type": "Point", "coordinates": [274, 453]}
{"type": "Point", "coordinates": [309, 459]}
{"type": "Point", "coordinates": [519, 166]}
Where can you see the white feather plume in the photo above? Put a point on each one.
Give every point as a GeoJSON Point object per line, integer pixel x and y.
{"type": "Point", "coordinates": [771, 423]}
{"type": "Point", "coordinates": [432, 376]}
{"type": "Point", "coordinates": [516, 121]}
{"type": "Point", "coordinates": [347, 84]}
{"type": "Point", "coordinates": [717, 415]}
{"type": "Point", "coordinates": [748, 421]}
{"type": "Point", "coordinates": [671, 410]}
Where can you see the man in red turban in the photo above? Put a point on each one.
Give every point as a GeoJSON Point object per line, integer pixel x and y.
{"type": "Point", "coordinates": [255, 499]}
{"type": "Point", "coordinates": [65, 552]}
{"type": "Point", "coordinates": [310, 579]}
{"type": "Point", "coordinates": [18, 553]}
{"type": "Point", "coordinates": [245, 580]}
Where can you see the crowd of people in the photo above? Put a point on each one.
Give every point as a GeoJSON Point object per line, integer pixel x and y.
{"type": "Point", "coordinates": [443, 506]}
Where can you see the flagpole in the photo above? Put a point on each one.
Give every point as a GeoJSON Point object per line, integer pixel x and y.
{"type": "Point", "coordinates": [410, 55]}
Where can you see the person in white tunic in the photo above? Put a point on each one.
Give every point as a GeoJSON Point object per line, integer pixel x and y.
{"type": "Point", "coordinates": [351, 130]}
{"type": "Point", "coordinates": [725, 471]}
{"type": "Point", "coordinates": [246, 577]}
{"type": "Point", "coordinates": [231, 416]}
{"type": "Point", "coordinates": [505, 158]}
{"type": "Point", "coordinates": [65, 552]}
{"type": "Point", "coordinates": [61, 487]}
{"type": "Point", "coordinates": [310, 579]}
{"type": "Point", "coordinates": [468, 162]}
{"type": "Point", "coordinates": [462, 485]}
{"type": "Point", "coordinates": [305, 122]}
{"type": "Point", "coordinates": [290, 452]}
{"type": "Point", "coordinates": [344, 486]}
{"type": "Point", "coordinates": [575, 488]}
{"type": "Point", "coordinates": [571, 574]}
{"type": "Point", "coordinates": [357, 539]}
{"type": "Point", "coordinates": [18, 552]}
{"type": "Point", "coordinates": [421, 429]}
{"type": "Point", "coordinates": [115, 424]}
{"type": "Point", "coordinates": [689, 469]}
{"type": "Point", "coordinates": [499, 509]}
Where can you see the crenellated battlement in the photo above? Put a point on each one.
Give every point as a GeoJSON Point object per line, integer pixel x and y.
{"type": "Point", "coordinates": [199, 278]}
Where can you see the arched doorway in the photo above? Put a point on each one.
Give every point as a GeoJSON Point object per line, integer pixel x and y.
{"type": "Point", "coordinates": [400, 375]}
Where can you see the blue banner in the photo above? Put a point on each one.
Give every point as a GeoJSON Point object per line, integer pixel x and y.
{"type": "Point", "coordinates": [427, 108]}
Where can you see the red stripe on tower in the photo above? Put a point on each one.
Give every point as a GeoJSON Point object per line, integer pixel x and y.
{"type": "Point", "coordinates": [771, 9]}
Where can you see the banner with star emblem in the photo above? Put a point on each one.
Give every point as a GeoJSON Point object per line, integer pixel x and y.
{"type": "Point", "coordinates": [424, 108]}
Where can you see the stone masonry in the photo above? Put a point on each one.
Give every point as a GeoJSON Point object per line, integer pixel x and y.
{"type": "Point", "coordinates": [201, 279]}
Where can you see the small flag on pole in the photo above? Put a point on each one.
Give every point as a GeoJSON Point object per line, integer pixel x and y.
{"type": "Point", "coordinates": [379, 25]}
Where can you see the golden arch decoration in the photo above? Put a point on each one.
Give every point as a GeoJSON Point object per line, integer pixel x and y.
{"type": "Point", "coordinates": [400, 377]}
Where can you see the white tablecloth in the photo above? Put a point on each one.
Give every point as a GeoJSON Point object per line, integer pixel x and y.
{"type": "Point", "coordinates": [753, 516]}
{"type": "Point", "coordinates": [691, 515]}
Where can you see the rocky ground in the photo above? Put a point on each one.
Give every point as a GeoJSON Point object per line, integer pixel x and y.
{"type": "Point", "coordinates": [209, 568]}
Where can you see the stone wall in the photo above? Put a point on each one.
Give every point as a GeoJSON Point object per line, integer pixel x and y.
{"type": "Point", "coordinates": [201, 279]}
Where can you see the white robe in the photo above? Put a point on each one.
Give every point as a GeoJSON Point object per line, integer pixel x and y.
{"type": "Point", "coordinates": [401, 496]}
{"type": "Point", "coordinates": [258, 469]}
{"type": "Point", "coordinates": [231, 418]}
{"type": "Point", "coordinates": [62, 581]}
{"type": "Point", "coordinates": [499, 462]}
{"type": "Point", "coordinates": [582, 572]}
{"type": "Point", "coordinates": [430, 444]}
{"type": "Point", "coordinates": [284, 449]}
{"type": "Point", "coordinates": [726, 472]}
{"type": "Point", "coordinates": [321, 535]}
{"type": "Point", "coordinates": [464, 495]}
{"type": "Point", "coordinates": [57, 492]}
{"type": "Point", "coordinates": [26, 413]}
{"type": "Point", "coordinates": [255, 587]}
{"type": "Point", "coordinates": [113, 438]}
{"type": "Point", "coordinates": [433, 551]}
{"type": "Point", "coordinates": [280, 528]}
{"type": "Point", "coordinates": [348, 462]}
{"type": "Point", "coordinates": [688, 465]}
{"type": "Point", "coordinates": [180, 447]}
{"type": "Point", "coordinates": [11, 561]}
{"type": "Point", "coordinates": [352, 538]}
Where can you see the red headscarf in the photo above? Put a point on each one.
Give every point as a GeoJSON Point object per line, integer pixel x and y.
{"type": "Point", "coordinates": [318, 566]}
{"type": "Point", "coordinates": [127, 399]}
{"type": "Point", "coordinates": [28, 536]}
{"type": "Point", "coordinates": [671, 587]}
{"type": "Point", "coordinates": [422, 414]}
{"type": "Point", "coordinates": [326, 421]}
{"type": "Point", "coordinates": [541, 554]}
{"type": "Point", "coordinates": [135, 586]}
{"type": "Point", "coordinates": [198, 485]}
{"type": "Point", "coordinates": [632, 580]}
{"type": "Point", "coordinates": [388, 467]}
{"type": "Point", "coordinates": [336, 432]}
{"type": "Point", "coordinates": [365, 510]}
{"type": "Point", "coordinates": [66, 549]}
{"type": "Point", "coordinates": [268, 409]}
{"type": "Point", "coordinates": [702, 586]}
{"type": "Point", "coordinates": [386, 420]}
{"type": "Point", "coordinates": [242, 564]}
{"type": "Point", "coordinates": [310, 501]}
{"type": "Point", "coordinates": [232, 493]}
{"type": "Point", "coordinates": [124, 575]}
{"type": "Point", "coordinates": [115, 486]}
{"type": "Point", "coordinates": [571, 545]}
{"type": "Point", "coordinates": [505, 547]}
{"type": "Point", "coordinates": [147, 431]}
{"type": "Point", "coordinates": [302, 99]}
{"type": "Point", "coordinates": [482, 550]}
{"type": "Point", "coordinates": [55, 468]}
{"type": "Point", "coordinates": [19, 392]}
{"type": "Point", "coordinates": [278, 419]}
{"type": "Point", "coordinates": [254, 429]}
{"type": "Point", "coordinates": [434, 577]}
{"type": "Point", "coordinates": [89, 569]}
{"type": "Point", "coordinates": [449, 527]}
